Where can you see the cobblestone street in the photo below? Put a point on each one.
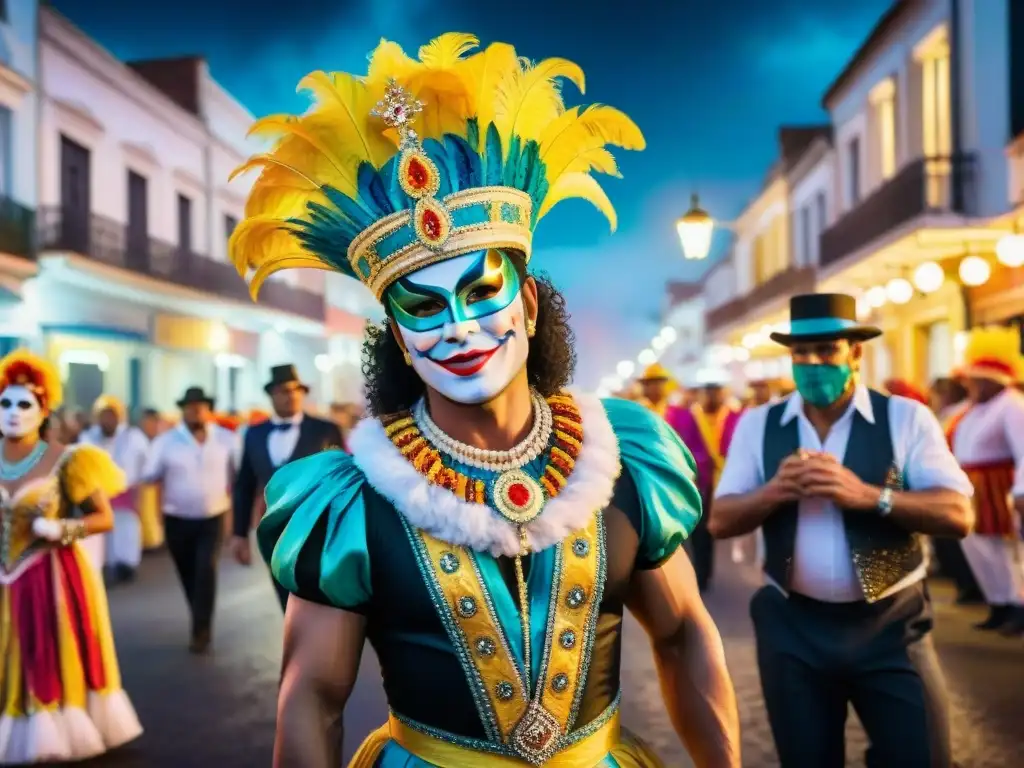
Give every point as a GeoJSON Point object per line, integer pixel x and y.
{"type": "Point", "coordinates": [219, 710]}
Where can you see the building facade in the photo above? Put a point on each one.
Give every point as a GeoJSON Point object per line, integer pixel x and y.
{"type": "Point", "coordinates": [134, 295]}
{"type": "Point", "coordinates": [19, 51]}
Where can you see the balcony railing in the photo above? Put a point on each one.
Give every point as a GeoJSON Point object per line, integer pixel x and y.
{"type": "Point", "coordinates": [17, 229]}
{"type": "Point", "coordinates": [785, 283]}
{"type": "Point", "coordinates": [928, 185]}
{"type": "Point", "coordinates": [110, 242]}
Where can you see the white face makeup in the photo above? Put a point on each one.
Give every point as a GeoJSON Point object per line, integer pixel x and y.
{"type": "Point", "coordinates": [20, 413]}
{"type": "Point", "coordinates": [464, 324]}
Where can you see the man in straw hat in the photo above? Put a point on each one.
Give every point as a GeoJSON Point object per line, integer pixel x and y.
{"type": "Point", "coordinates": [289, 434]}
{"type": "Point", "coordinates": [656, 387]}
{"type": "Point", "coordinates": [988, 439]}
{"type": "Point", "coordinates": [193, 465]}
{"type": "Point", "coordinates": [842, 479]}
{"type": "Point", "coordinates": [127, 446]}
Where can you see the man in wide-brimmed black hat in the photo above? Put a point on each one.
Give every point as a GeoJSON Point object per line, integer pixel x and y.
{"type": "Point", "coordinates": [841, 478]}
{"type": "Point", "coordinates": [289, 434]}
{"type": "Point", "coordinates": [193, 465]}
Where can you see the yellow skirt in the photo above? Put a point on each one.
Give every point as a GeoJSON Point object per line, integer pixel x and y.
{"type": "Point", "coordinates": [149, 517]}
{"type": "Point", "coordinates": [608, 747]}
{"type": "Point", "coordinates": [60, 686]}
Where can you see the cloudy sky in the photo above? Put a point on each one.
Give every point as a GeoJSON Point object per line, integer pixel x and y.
{"type": "Point", "coordinates": [708, 83]}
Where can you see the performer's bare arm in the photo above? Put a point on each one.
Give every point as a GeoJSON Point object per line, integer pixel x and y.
{"type": "Point", "coordinates": [691, 662]}
{"type": "Point", "coordinates": [740, 513]}
{"type": "Point", "coordinates": [98, 517]}
{"type": "Point", "coordinates": [322, 648]}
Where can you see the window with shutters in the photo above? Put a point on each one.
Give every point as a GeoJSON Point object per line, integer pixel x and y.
{"type": "Point", "coordinates": [883, 107]}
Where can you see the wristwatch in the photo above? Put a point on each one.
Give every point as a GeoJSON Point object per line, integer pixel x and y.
{"type": "Point", "coordinates": [885, 502]}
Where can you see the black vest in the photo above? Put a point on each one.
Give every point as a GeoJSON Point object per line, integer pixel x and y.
{"type": "Point", "coordinates": [883, 552]}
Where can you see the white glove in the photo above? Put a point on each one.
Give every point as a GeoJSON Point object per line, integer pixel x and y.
{"type": "Point", "coordinates": [51, 530]}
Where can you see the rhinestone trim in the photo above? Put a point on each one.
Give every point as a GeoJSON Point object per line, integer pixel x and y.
{"type": "Point", "coordinates": [581, 548]}
{"type": "Point", "coordinates": [449, 562]}
{"type": "Point", "coordinates": [560, 682]}
{"type": "Point", "coordinates": [567, 639]}
{"type": "Point", "coordinates": [467, 607]}
{"type": "Point", "coordinates": [577, 597]}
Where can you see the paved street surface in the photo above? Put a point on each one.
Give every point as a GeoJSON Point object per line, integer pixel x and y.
{"type": "Point", "coordinates": [219, 710]}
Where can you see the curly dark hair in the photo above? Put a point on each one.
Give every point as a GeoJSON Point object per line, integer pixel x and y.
{"type": "Point", "coordinates": [393, 386]}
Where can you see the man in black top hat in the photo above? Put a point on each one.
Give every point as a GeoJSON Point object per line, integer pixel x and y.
{"type": "Point", "coordinates": [842, 479]}
{"type": "Point", "coordinates": [289, 434]}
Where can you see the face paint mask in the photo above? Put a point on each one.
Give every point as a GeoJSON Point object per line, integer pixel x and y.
{"type": "Point", "coordinates": [20, 413]}
{"type": "Point", "coordinates": [822, 384]}
{"type": "Point", "coordinates": [464, 324]}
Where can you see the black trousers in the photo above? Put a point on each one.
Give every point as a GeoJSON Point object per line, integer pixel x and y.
{"type": "Point", "coordinates": [817, 658]}
{"type": "Point", "coordinates": [194, 544]}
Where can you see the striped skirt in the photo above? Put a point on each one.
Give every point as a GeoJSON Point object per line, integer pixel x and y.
{"type": "Point", "coordinates": [993, 513]}
{"type": "Point", "coordinates": [60, 686]}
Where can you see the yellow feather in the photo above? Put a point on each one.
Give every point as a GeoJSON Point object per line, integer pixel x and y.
{"type": "Point", "coordinates": [282, 262]}
{"type": "Point", "coordinates": [484, 73]}
{"type": "Point", "coordinates": [265, 161]}
{"type": "Point", "coordinates": [387, 61]}
{"type": "Point", "coordinates": [530, 98]}
{"type": "Point", "coordinates": [447, 50]}
{"type": "Point", "coordinates": [344, 102]}
{"type": "Point", "coordinates": [281, 201]}
{"type": "Point", "coordinates": [258, 239]}
{"type": "Point", "coordinates": [446, 103]}
{"type": "Point", "coordinates": [583, 187]}
{"type": "Point", "coordinates": [578, 132]}
{"type": "Point", "coordinates": [306, 143]}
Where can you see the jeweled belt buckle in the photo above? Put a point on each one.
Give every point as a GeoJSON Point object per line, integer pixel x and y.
{"type": "Point", "coordinates": [537, 736]}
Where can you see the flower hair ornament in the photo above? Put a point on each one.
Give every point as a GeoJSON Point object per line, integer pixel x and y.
{"type": "Point", "coordinates": [422, 160]}
{"type": "Point", "coordinates": [22, 368]}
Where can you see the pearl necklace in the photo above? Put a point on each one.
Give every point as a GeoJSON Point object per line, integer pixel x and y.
{"type": "Point", "coordinates": [535, 443]}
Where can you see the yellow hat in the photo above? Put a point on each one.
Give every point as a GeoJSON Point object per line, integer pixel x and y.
{"type": "Point", "coordinates": [993, 353]}
{"type": "Point", "coordinates": [109, 402]}
{"type": "Point", "coordinates": [655, 372]}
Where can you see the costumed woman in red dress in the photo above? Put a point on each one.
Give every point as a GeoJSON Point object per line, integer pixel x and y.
{"type": "Point", "coordinates": [60, 687]}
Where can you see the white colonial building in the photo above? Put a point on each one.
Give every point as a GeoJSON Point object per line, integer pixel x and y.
{"type": "Point", "coordinates": [134, 295]}
{"type": "Point", "coordinates": [18, 131]}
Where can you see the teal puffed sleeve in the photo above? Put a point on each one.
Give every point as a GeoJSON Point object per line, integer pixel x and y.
{"type": "Point", "coordinates": [313, 535]}
{"type": "Point", "coordinates": [658, 489]}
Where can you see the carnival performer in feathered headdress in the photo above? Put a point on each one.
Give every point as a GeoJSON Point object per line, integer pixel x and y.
{"type": "Point", "coordinates": [988, 440]}
{"type": "Point", "coordinates": [60, 688]}
{"type": "Point", "coordinates": [488, 525]}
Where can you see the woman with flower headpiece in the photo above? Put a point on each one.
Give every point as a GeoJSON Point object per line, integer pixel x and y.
{"type": "Point", "coordinates": [60, 687]}
{"type": "Point", "coordinates": [488, 528]}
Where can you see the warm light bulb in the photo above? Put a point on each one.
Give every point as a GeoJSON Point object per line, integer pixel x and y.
{"type": "Point", "coordinates": [1010, 250]}
{"type": "Point", "coordinates": [899, 291]}
{"type": "Point", "coordinates": [323, 363]}
{"type": "Point", "coordinates": [974, 271]}
{"type": "Point", "coordinates": [876, 297]}
{"type": "Point", "coordinates": [741, 354]}
{"type": "Point", "coordinates": [929, 277]}
{"type": "Point", "coordinates": [625, 368]}
{"type": "Point", "coordinates": [658, 344]}
{"type": "Point", "coordinates": [669, 334]}
{"type": "Point", "coordinates": [647, 357]}
{"type": "Point", "coordinates": [751, 341]}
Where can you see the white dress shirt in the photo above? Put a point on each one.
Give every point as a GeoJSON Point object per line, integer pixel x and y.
{"type": "Point", "coordinates": [993, 431]}
{"type": "Point", "coordinates": [128, 447]}
{"type": "Point", "coordinates": [195, 477]}
{"type": "Point", "coordinates": [822, 562]}
{"type": "Point", "coordinates": [281, 441]}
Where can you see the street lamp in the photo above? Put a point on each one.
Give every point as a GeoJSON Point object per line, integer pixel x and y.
{"type": "Point", "coordinates": [695, 228]}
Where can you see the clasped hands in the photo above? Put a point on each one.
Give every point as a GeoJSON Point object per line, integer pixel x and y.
{"type": "Point", "coordinates": [819, 475]}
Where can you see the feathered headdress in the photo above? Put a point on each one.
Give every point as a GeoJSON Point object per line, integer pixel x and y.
{"type": "Point", "coordinates": [24, 369]}
{"type": "Point", "coordinates": [422, 160]}
{"type": "Point", "coordinates": [993, 353]}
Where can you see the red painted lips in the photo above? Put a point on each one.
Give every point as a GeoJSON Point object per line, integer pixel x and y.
{"type": "Point", "coordinates": [467, 363]}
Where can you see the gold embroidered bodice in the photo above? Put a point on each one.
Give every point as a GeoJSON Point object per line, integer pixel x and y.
{"type": "Point", "coordinates": [37, 494]}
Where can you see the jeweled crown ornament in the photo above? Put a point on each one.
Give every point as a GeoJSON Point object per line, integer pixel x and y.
{"type": "Point", "coordinates": [422, 160]}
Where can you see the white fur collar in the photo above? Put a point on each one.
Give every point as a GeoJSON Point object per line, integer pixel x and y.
{"type": "Point", "coordinates": [443, 515]}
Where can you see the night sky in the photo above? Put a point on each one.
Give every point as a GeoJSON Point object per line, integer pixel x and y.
{"type": "Point", "coordinates": [708, 82]}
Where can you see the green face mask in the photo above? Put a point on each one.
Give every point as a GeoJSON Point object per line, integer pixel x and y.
{"type": "Point", "coordinates": [821, 384]}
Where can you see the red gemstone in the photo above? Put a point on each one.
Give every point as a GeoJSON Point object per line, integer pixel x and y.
{"type": "Point", "coordinates": [417, 174]}
{"type": "Point", "coordinates": [519, 494]}
{"type": "Point", "coordinates": [431, 224]}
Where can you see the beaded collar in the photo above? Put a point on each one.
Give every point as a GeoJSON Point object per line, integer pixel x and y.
{"type": "Point", "coordinates": [463, 519]}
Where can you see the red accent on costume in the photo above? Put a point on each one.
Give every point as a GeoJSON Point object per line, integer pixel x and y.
{"type": "Point", "coordinates": [32, 602]}
{"type": "Point", "coordinates": [78, 605]}
{"type": "Point", "coordinates": [993, 364]}
{"type": "Point", "coordinates": [993, 484]}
